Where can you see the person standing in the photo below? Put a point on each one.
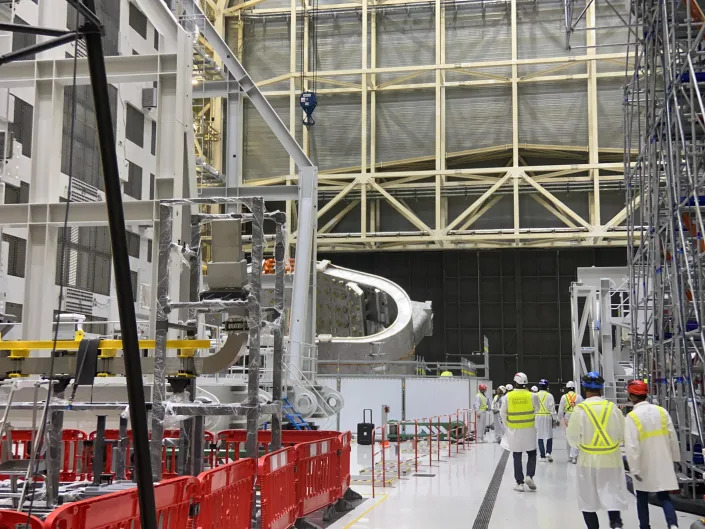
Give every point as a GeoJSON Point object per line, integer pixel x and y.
{"type": "Point", "coordinates": [518, 413]}
{"type": "Point", "coordinates": [565, 411]}
{"type": "Point", "coordinates": [481, 406]}
{"type": "Point", "coordinates": [544, 421]}
{"type": "Point", "coordinates": [651, 447]}
{"type": "Point", "coordinates": [596, 429]}
{"type": "Point", "coordinates": [496, 405]}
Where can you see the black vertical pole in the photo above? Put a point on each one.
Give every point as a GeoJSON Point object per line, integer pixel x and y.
{"type": "Point", "coordinates": [121, 266]}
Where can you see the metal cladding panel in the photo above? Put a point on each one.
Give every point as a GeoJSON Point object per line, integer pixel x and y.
{"type": "Point", "coordinates": [339, 46]}
{"type": "Point", "coordinates": [478, 117]}
{"type": "Point", "coordinates": [263, 154]}
{"type": "Point", "coordinates": [265, 49]}
{"type": "Point", "coordinates": [405, 38]}
{"type": "Point", "coordinates": [541, 33]}
{"type": "Point", "coordinates": [336, 137]}
{"type": "Point", "coordinates": [468, 34]}
{"type": "Point", "coordinates": [405, 125]}
{"type": "Point", "coordinates": [610, 125]}
{"type": "Point", "coordinates": [553, 113]}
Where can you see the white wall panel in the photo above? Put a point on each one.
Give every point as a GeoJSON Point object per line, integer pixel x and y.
{"type": "Point", "coordinates": [361, 393]}
{"type": "Point", "coordinates": [426, 397]}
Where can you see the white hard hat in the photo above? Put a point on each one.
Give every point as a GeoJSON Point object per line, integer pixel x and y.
{"type": "Point", "coordinates": [509, 387]}
{"type": "Point", "coordinates": [534, 389]}
{"type": "Point", "coordinates": [521, 379]}
{"type": "Point", "coordinates": [570, 384]}
{"type": "Point", "coordinates": [502, 389]}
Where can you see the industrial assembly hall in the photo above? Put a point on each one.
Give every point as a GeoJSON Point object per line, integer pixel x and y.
{"type": "Point", "coordinates": [352, 264]}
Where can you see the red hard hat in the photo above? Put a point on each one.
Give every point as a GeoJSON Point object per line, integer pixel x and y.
{"type": "Point", "coordinates": [638, 387]}
{"type": "Point", "coordinates": [483, 387]}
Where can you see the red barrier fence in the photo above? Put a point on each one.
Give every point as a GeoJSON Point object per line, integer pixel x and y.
{"type": "Point", "coordinates": [226, 496]}
{"type": "Point", "coordinates": [317, 482]}
{"type": "Point", "coordinates": [277, 482]}
{"type": "Point", "coordinates": [121, 509]}
{"type": "Point", "coordinates": [19, 520]}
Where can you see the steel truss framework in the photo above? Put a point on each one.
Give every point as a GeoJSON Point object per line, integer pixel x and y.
{"type": "Point", "coordinates": [665, 116]}
{"type": "Point", "coordinates": [493, 172]}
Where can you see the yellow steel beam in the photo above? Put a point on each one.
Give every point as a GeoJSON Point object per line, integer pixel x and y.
{"type": "Point", "coordinates": [104, 345]}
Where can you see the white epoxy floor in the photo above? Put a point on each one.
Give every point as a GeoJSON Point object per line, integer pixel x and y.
{"type": "Point", "coordinates": [452, 498]}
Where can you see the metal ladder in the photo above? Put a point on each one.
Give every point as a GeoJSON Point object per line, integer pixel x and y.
{"type": "Point", "coordinates": [293, 416]}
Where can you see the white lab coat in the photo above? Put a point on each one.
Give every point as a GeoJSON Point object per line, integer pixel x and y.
{"type": "Point", "coordinates": [521, 439]}
{"type": "Point", "coordinates": [651, 458]}
{"type": "Point", "coordinates": [498, 426]}
{"type": "Point", "coordinates": [601, 482]}
{"type": "Point", "coordinates": [564, 414]}
{"type": "Point", "coordinates": [544, 423]}
{"type": "Point", "coordinates": [481, 415]}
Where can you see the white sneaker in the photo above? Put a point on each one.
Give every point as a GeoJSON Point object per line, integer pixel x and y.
{"type": "Point", "coordinates": [519, 487]}
{"type": "Point", "coordinates": [673, 527]}
{"type": "Point", "coordinates": [530, 483]}
{"type": "Point", "coordinates": [550, 458]}
{"type": "Point", "coordinates": [542, 459]}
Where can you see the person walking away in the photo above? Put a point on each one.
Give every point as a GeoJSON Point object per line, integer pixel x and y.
{"type": "Point", "coordinates": [518, 413]}
{"type": "Point", "coordinates": [544, 421]}
{"type": "Point", "coordinates": [651, 447]}
{"type": "Point", "coordinates": [565, 411]}
{"type": "Point", "coordinates": [534, 389]}
{"type": "Point", "coordinates": [597, 429]}
{"type": "Point", "coordinates": [481, 406]}
{"type": "Point", "coordinates": [496, 405]}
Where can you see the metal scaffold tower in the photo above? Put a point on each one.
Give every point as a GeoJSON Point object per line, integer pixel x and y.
{"type": "Point", "coordinates": [665, 128]}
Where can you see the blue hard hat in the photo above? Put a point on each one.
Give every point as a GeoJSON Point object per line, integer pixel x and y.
{"type": "Point", "coordinates": [543, 382]}
{"type": "Point", "coordinates": [593, 380]}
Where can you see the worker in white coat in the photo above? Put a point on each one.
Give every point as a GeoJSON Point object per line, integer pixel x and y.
{"type": "Point", "coordinates": [518, 412]}
{"type": "Point", "coordinates": [597, 429]}
{"type": "Point", "coordinates": [651, 447]}
{"type": "Point", "coordinates": [496, 405]}
{"type": "Point", "coordinates": [544, 421]}
{"type": "Point", "coordinates": [565, 411]}
{"type": "Point", "coordinates": [481, 408]}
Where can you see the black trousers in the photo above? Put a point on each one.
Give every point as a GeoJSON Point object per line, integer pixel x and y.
{"type": "Point", "coordinates": [530, 466]}
{"type": "Point", "coordinates": [593, 522]}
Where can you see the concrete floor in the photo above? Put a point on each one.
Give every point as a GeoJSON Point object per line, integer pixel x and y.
{"type": "Point", "coordinates": [451, 499]}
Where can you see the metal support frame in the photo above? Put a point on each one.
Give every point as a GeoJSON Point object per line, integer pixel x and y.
{"type": "Point", "coordinates": [664, 126]}
{"type": "Point", "coordinates": [360, 191]}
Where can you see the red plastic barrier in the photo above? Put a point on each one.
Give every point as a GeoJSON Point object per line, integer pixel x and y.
{"type": "Point", "coordinates": [226, 496]}
{"type": "Point", "coordinates": [19, 520]}
{"type": "Point", "coordinates": [72, 466]}
{"type": "Point", "coordinates": [344, 462]}
{"type": "Point", "coordinates": [317, 482]}
{"type": "Point", "coordinates": [232, 441]}
{"type": "Point", "coordinates": [277, 483]}
{"type": "Point", "coordinates": [120, 510]}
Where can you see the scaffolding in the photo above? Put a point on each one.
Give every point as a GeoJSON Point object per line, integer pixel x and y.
{"type": "Point", "coordinates": [665, 128]}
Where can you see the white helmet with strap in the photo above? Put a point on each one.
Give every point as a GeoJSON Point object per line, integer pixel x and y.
{"type": "Point", "coordinates": [521, 379]}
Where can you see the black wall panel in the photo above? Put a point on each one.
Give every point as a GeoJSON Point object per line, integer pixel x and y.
{"type": "Point", "coordinates": [519, 299]}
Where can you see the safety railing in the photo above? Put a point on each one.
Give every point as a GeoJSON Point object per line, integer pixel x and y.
{"type": "Point", "coordinates": [381, 439]}
{"type": "Point", "coordinates": [226, 496]}
{"type": "Point", "coordinates": [173, 500]}
{"type": "Point", "coordinates": [276, 476]}
{"type": "Point", "coordinates": [293, 482]}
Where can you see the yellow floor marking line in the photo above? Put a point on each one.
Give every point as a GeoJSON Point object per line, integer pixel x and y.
{"type": "Point", "coordinates": [367, 512]}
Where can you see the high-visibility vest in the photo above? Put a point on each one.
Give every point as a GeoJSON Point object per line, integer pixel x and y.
{"type": "Point", "coordinates": [483, 406]}
{"type": "Point", "coordinates": [599, 413]}
{"type": "Point", "coordinates": [494, 399]}
{"type": "Point", "coordinates": [543, 395]}
{"type": "Point", "coordinates": [570, 399]}
{"type": "Point", "coordinates": [520, 409]}
{"type": "Point", "coordinates": [645, 434]}
{"type": "Point", "coordinates": [447, 374]}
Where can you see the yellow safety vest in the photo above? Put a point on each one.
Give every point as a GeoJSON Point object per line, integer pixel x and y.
{"type": "Point", "coordinates": [543, 395]}
{"type": "Point", "coordinates": [520, 409]}
{"type": "Point", "coordinates": [651, 433]}
{"type": "Point", "coordinates": [599, 414]}
{"type": "Point", "coordinates": [447, 374]}
{"type": "Point", "coordinates": [483, 406]}
{"type": "Point", "coordinates": [571, 397]}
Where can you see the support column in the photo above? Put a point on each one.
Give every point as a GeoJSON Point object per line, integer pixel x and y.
{"type": "Point", "coordinates": [516, 175]}
{"type": "Point", "coordinates": [593, 143]}
{"type": "Point", "coordinates": [42, 239]}
{"type": "Point", "coordinates": [363, 126]}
